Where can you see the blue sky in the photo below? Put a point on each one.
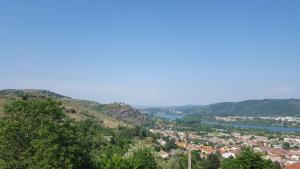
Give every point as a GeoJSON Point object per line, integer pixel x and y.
{"type": "Point", "coordinates": [158, 52]}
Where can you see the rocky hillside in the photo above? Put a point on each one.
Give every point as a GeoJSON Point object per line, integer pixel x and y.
{"type": "Point", "coordinates": [111, 115]}
{"type": "Point", "coordinates": [123, 112]}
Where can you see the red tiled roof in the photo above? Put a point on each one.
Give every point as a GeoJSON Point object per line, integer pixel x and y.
{"type": "Point", "coordinates": [206, 149]}
{"type": "Point", "coordinates": [293, 166]}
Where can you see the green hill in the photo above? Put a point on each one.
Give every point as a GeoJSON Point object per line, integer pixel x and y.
{"type": "Point", "coordinates": [111, 115]}
{"type": "Point", "coordinates": [265, 107]}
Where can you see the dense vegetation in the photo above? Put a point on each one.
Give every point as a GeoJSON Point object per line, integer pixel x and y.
{"type": "Point", "coordinates": [192, 123]}
{"type": "Point", "coordinates": [36, 133]}
{"type": "Point", "coordinates": [249, 159]}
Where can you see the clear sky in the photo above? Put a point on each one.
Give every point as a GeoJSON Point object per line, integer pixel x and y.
{"type": "Point", "coordinates": [152, 52]}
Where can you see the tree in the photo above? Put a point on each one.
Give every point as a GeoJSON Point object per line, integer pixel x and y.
{"type": "Point", "coordinates": [170, 143]}
{"type": "Point", "coordinates": [35, 134]}
{"type": "Point", "coordinates": [142, 159]}
{"type": "Point", "coordinates": [231, 163]}
{"type": "Point", "coordinates": [115, 162]}
{"type": "Point", "coordinates": [213, 161]}
{"type": "Point", "coordinates": [286, 145]}
{"type": "Point", "coordinates": [195, 156]}
{"type": "Point", "coordinates": [248, 159]}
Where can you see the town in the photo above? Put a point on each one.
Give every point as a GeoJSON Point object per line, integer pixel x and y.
{"type": "Point", "coordinates": [238, 118]}
{"type": "Point", "coordinates": [283, 149]}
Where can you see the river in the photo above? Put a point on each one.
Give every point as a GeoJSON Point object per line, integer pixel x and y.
{"type": "Point", "coordinates": [170, 116]}
{"type": "Point", "coordinates": [248, 126]}
{"type": "Point", "coordinates": [244, 126]}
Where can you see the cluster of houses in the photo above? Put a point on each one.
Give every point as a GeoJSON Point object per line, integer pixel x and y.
{"type": "Point", "coordinates": [238, 118]}
{"type": "Point", "coordinates": [229, 145]}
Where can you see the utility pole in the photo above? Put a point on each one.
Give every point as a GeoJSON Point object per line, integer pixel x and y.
{"type": "Point", "coordinates": [189, 152]}
{"type": "Point", "coordinates": [189, 158]}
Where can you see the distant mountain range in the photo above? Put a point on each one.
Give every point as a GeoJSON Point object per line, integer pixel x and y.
{"type": "Point", "coordinates": [111, 115]}
{"type": "Point", "coordinates": [265, 107]}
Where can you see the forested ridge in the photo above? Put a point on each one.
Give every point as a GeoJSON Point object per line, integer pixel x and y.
{"type": "Point", "coordinates": [254, 108]}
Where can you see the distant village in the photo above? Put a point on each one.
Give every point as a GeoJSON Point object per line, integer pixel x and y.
{"type": "Point", "coordinates": [237, 118]}
{"type": "Point", "coordinates": [283, 150]}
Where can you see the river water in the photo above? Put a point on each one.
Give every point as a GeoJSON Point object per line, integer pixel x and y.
{"type": "Point", "coordinates": [169, 116]}
{"type": "Point", "coordinates": [244, 126]}
{"type": "Point", "coordinates": [248, 126]}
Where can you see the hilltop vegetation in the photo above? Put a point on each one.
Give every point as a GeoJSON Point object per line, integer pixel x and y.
{"type": "Point", "coordinates": [111, 115]}
{"type": "Point", "coordinates": [36, 133]}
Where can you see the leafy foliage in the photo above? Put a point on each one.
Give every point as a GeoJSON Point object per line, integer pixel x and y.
{"type": "Point", "coordinates": [170, 144]}
{"type": "Point", "coordinates": [248, 159]}
{"type": "Point", "coordinates": [286, 145]}
{"type": "Point", "coordinates": [35, 134]}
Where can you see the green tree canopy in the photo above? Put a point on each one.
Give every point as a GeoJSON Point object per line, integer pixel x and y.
{"type": "Point", "coordinates": [286, 145]}
{"type": "Point", "coordinates": [248, 159]}
{"type": "Point", "coordinates": [35, 134]}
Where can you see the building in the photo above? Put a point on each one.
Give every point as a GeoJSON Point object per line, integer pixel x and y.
{"type": "Point", "coordinates": [161, 142]}
{"type": "Point", "coordinates": [205, 151]}
{"type": "Point", "coordinates": [228, 154]}
{"type": "Point", "coordinates": [293, 166]}
{"type": "Point", "coordinates": [164, 154]}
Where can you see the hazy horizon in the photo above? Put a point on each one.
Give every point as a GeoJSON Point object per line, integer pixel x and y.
{"type": "Point", "coordinates": [145, 106]}
{"type": "Point", "coordinates": [152, 53]}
